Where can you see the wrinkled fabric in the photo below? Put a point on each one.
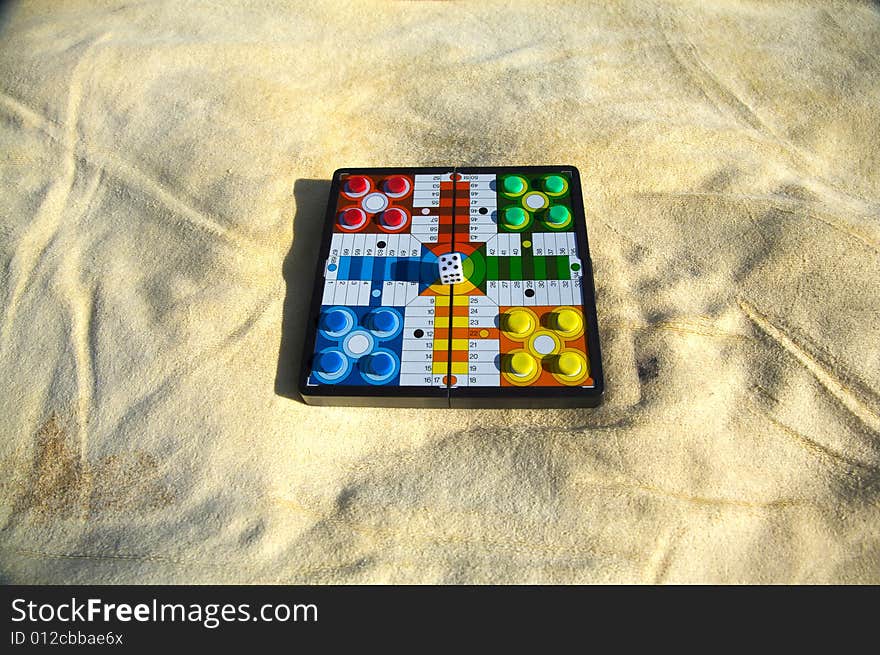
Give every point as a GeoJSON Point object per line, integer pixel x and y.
{"type": "Point", "coordinates": [164, 175]}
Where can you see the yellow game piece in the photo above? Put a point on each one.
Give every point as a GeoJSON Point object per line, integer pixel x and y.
{"type": "Point", "coordinates": [518, 322]}
{"type": "Point", "coordinates": [567, 320]}
{"type": "Point", "coordinates": [569, 364]}
{"type": "Point", "coordinates": [523, 364]}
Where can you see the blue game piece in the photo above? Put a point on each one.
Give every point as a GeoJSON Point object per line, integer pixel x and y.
{"type": "Point", "coordinates": [335, 320]}
{"type": "Point", "coordinates": [380, 364]}
{"type": "Point", "coordinates": [383, 320]}
{"type": "Point", "coordinates": [330, 362]}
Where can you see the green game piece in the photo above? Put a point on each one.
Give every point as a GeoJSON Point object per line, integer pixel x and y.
{"type": "Point", "coordinates": [514, 185]}
{"type": "Point", "coordinates": [558, 215]}
{"type": "Point", "coordinates": [554, 184]}
{"type": "Point", "coordinates": [515, 216]}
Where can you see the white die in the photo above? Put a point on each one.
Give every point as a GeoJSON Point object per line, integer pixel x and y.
{"type": "Point", "coordinates": [449, 268]}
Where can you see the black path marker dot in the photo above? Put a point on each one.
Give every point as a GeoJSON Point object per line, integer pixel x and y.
{"type": "Point", "coordinates": [418, 334]}
{"type": "Point", "coordinates": [483, 210]}
{"type": "Point", "coordinates": [381, 244]}
{"type": "Point", "coordinates": [530, 293]}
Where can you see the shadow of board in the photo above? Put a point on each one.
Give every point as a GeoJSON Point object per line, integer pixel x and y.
{"type": "Point", "coordinates": [299, 269]}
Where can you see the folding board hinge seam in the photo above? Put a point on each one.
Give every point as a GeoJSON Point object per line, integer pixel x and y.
{"type": "Point", "coordinates": [451, 294]}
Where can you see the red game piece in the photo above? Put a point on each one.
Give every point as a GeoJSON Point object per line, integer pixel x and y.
{"type": "Point", "coordinates": [393, 217]}
{"type": "Point", "coordinates": [396, 184]}
{"type": "Point", "coordinates": [357, 184]}
{"type": "Point", "coordinates": [352, 217]}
